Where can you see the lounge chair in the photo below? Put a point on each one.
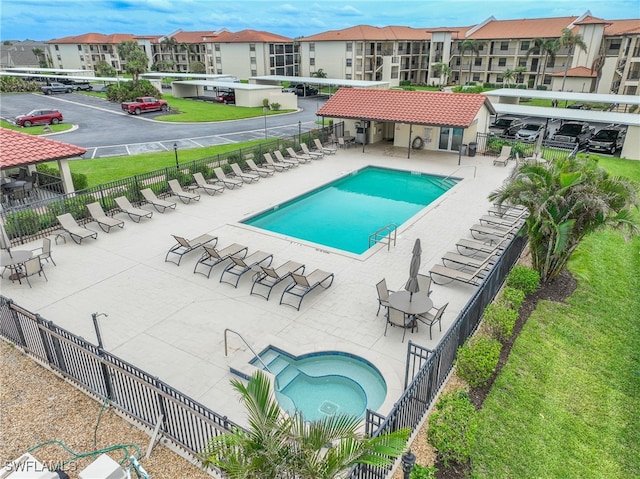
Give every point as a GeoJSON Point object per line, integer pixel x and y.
{"type": "Point", "coordinates": [505, 155]}
{"type": "Point", "coordinates": [504, 211]}
{"type": "Point", "coordinates": [461, 262]}
{"type": "Point", "coordinates": [505, 222]}
{"type": "Point", "coordinates": [157, 203]}
{"type": "Point", "coordinates": [276, 165]}
{"type": "Point", "coordinates": [303, 285]}
{"type": "Point", "coordinates": [383, 294]}
{"type": "Point", "coordinates": [226, 181]}
{"type": "Point", "coordinates": [327, 150]}
{"type": "Point", "coordinates": [490, 233]}
{"type": "Point", "coordinates": [213, 256]}
{"type": "Point", "coordinates": [239, 266]}
{"type": "Point", "coordinates": [74, 230]}
{"type": "Point", "coordinates": [136, 214]}
{"type": "Point", "coordinates": [290, 161]}
{"type": "Point", "coordinates": [246, 177]}
{"type": "Point", "coordinates": [432, 317]}
{"type": "Point", "coordinates": [269, 277]}
{"type": "Point", "coordinates": [301, 157]}
{"type": "Point", "coordinates": [448, 275]}
{"type": "Point", "coordinates": [209, 188]}
{"type": "Point", "coordinates": [264, 172]}
{"type": "Point", "coordinates": [184, 246]}
{"type": "Point", "coordinates": [105, 222]}
{"type": "Point", "coordinates": [185, 196]}
{"type": "Point", "coordinates": [395, 317]}
{"type": "Point", "coordinates": [472, 247]}
{"type": "Point", "coordinates": [318, 154]}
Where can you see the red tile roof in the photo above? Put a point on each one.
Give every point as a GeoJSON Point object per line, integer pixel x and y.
{"type": "Point", "coordinates": [623, 27]}
{"type": "Point", "coordinates": [367, 32]}
{"type": "Point", "coordinates": [94, 38]}
{"type": "Point", "coordinates": [416, 107]}
{"type": "Point", "coordinates": [194, 37]}
{"type": "Point", "coordinates": [523, 28]}
{"type": "Point", "coordinates": [250, 36]}
{"type": "Point", "coordinates": [19, 149]}
{"type": "Point", "coordinates": [579, 72]}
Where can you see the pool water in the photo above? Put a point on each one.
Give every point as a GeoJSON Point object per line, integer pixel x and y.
{"type": "Point", "coordinates": [325, 383]}
{"type": "Point", "coordinates": [345, 213]}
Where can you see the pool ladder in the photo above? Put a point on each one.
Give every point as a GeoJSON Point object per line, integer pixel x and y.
{"type": "Point", "coordinates": [226, 352]}
{"type": "Point", "coordinates": [385, 234]}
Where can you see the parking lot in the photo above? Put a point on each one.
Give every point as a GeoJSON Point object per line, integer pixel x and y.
{"type": "Point", "coordinates": [105, 130]}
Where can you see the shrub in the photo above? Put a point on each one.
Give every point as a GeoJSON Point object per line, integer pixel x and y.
{"type": "Point", "coordinates": [452, 427]}
{"type": "Point", "coordinates": [477, 360]}
{"type": "Point", "coordinates": [500, 320]}
{"type": "Point", "coordinates": [423, 472]}
{"type": "Point", "coordinates": [523, 278]}
{"type": "Point", "coordinates": [512, 298]}
{"type": "Point", "coordinates": [275, 106]}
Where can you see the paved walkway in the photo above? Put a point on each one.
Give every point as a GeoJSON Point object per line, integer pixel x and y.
{"type": "Point", "coordinates": [171, 323]}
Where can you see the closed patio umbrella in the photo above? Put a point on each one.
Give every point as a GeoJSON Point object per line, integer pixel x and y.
{"type": "Point", "coordinates": [412, 284]}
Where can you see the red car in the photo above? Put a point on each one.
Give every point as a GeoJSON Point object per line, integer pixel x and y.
{"type": "Point", "coordinates": [226, 97]}
{"type": "Point", "coordinates": [39, 117]}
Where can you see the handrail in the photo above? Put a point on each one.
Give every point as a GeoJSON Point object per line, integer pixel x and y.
{"type": "Point", "coordinates": [459, 168]}
{"type": "Point", "coordinates": [391, 228]}
{"type": "Point", "coordinates": [245, 342]}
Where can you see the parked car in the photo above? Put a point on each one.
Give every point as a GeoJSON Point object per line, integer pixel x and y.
{"type": "Point", "coordinates": [574, 132]}
{"type": "Point", "coordinates": [226, 97]}
{"type": "Point", "coordinates": [56, 88]}
{"type": "Point", "coordinates": [530, 132]}
{"type": "Point", "coordinates": [301, 90]}
{"type": "Point", "coordinates": [578, 106]}
{"type": "Point", "coordinates": [39, 117]}
{"type": "Point", "coordinates": [608, 139]}
{"type": "Point", "coordinates": [506, 126]}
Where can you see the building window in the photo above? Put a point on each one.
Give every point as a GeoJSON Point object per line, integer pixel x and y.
{"type": "Point", "coordinates": [522, 62]}
{"type": "Point", "coordinates": [551, 62]}
{"type": "Point", "coordinates": [502, 62]}
{"type": "Point", "coordinates": [499, 79]}
{"type": "Point", "coordinates": [312, 61]}
{"type": "Point", "coordinates": [254, 73]}
{"type": "Point", "coordinates": [252, 47]}
{"type": "Point", "coordinates": [524, 46]}
{"type": "Point", "coordinates": [56, 47]}
{"type": "Point", "coordinates": [80, 48]}
{"type": "Point", "coordinates": [348, 76]}
{"type": "Point", "coordinates": [253, 60]}
{"type": "Point", "coordinates": [504, 46]}
{"type": "Point", "coordinates": [217, 47]}
{"type": "Point", "coordinates": [312, 47]}
{"type": "Point", "coordinates": [477, 62]}
{"type": "Point", "coordinates": [476, 77]}
{"type": "Point", "coordinates": [349, 46]}
{"type": "Point", "coordinates": [349, 62]}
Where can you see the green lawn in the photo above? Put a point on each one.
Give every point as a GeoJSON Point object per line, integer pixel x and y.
{"type": "Point", "coordinates": [35, 130]}
{"type": "Point", "coordinates": [567, 403]}
{"type": "Point", "coordinates": [104, 170]}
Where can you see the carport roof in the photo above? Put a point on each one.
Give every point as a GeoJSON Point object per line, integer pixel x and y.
{"type": "Point", "coordinates": [412, 107]}
{"type": "Point", "coordinates": [565, 95]}
{"type": "Point", "coordinates": [19, 149]}
{"type": "Point", "coordinates": [322, 81]}
{"type": "Point", "coordinates": [595, 116]}
{"type": "Point", "coordinates": [227, 84]}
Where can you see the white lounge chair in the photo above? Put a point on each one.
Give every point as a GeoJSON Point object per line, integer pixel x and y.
{"type": "Point", "coordinates": [184, 246]}
{"type": "Point", "coordinates": [226, 181]}
{"type": "Point", "coordinates": [290, 161]}
{"type": "Point", "coordinates": [239, 266]}
{"type": "Point", "coordinates": [269, 277]}
{"type": "Point", "coordinates": [105, 222]}
{"type": "Point", "coordinates": [136, 214]}
{"type": "Point", "coordinates": [301, 157]}
{"type": "Point", "coordinates": [211, 189]}
{"type": "Point", "coordinates": [213, 256]}
{"type": "Point", "coordinates": [276, 165]}
{"type": "Point", "coordinates": [246, 177]}
{"type": "Point", "coordinates": [505, 155]}
{"type": "Point", "coordinates": [185, 196]}
{"type": "Point", "coordinates": [326, 149]}
{"type": "Point", "coordinates": [318, 154]}
{"type": "Point", "coordinates": [158, 204]}
{"type": "Point", "coordinates": [74, 230]}
{"type": "Point", "coordinates": [303, 285]}
{"type": "Point", "coordinates": [264, 172]}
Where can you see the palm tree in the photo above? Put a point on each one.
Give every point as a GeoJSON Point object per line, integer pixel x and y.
{"type": "Point", "coordinates": [572, 41]}
{"type": "Point", "coordinates": [597, 65]}
{"type": "Point", "coordinates": [169, 44]}
{"type": "Point", "coordinates": [443, 70]}
{"type": "Point", "coordinates": [567, 200]}
{"type": "Point", "coordinates": [474, 47]}
{"type": "Point", "coordinates": [519, 73]}
{"type": "Point", "coordinates": [508, 75]}
{"type": "Point", "coordinates": [39, 53]}
{"type": "Point", "coordinates": [319, 73]}
{"type": "Point", "coordinates": [280, 446]}
{"type": "Point", "coordinates": [548, 47]}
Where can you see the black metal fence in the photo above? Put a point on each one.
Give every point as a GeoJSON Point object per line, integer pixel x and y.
{"type": "Point", "coordinates": [37, 219]}
{"type": "Point", "coordinates": [490, 145]}
{"type": "Point", "coordinates": [427, 370]}
{"type": "Point", "coordinates": [135, 393]}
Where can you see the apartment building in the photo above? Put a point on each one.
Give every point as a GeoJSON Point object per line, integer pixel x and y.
{"type": "Point", "coordinates": [494, 51]}
{"type": "Point", "coordinates": [242, 54]}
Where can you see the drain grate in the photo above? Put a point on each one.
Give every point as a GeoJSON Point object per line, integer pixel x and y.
{"type": "Point", "coordinates": [329, 408]}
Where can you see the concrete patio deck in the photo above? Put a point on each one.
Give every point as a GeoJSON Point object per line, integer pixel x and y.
{"type": "Point", "coordinates": [170, 322]}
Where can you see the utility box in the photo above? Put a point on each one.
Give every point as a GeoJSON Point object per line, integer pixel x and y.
{"type": "Point", "coordinates": [473, 147]}
{"type": "Point", "coordinates": [103, 468]}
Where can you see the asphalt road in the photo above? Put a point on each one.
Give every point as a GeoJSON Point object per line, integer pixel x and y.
{"type": "Point", "coordinates": [105, 130]}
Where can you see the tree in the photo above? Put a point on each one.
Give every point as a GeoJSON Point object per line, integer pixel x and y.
{"type": "Point", "coordinates": [135, 58]}
{"type": "Point", "coordinates": [280, 446]}
{"type": "Point", "coordinates": [468, 45]}
{"type": "Point", "coordinates": [198, 67]}
{"type": "Point", "coordinates": [104, 69]}
{"type": "Point", "coordinates": [597, 65]}
{"type": "Point", "coordinates": [169, 44]}
{"type": "Point", "coordinates": [508, 75]}
{"type": "Point", "coordinates": [319, 73]}
{"type": "Point", "coordinates": [548, 48]}
{"type": "Point", "coordinates": [572, 41]}
{"type": "Point", "coordinates": [519, 73]}
{"type": "Point", "coordinates": [442, 69]}
{"type": "Point", "coordinates": [39, 54]}
{"type": "Point", "coordinates": [567, 200]}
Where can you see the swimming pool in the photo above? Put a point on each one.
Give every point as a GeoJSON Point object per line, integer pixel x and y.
{"type": "Point", "coordinates": [344, 213]}
{"type": "Point", "coordinates": [324, 383]}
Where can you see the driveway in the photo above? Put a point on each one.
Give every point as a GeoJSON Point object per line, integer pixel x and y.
{"type": "Point", "coordinates": [105, 130]}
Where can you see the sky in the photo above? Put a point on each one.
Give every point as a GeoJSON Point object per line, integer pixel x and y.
{"type": "Point", "coordinates": [50, 19]}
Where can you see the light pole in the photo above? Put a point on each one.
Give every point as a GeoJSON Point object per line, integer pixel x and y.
{"type": "Point", "coordinates": [264, 110]}
{"type": "Point", "coordinates": [94, 317]}
{"type": "Point", "coordinates": [408, 461]}
{"type": "Point", "coordinates": [175, 151]}
{"type": "Point", "coordinates": [299, 131]}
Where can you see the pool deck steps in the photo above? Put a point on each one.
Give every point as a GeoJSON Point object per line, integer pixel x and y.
{"type": "Point", "coordinates": [286, 376]}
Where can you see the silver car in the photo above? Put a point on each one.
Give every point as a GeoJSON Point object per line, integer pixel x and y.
{"type": "Point", "coordinates": [529, 132]}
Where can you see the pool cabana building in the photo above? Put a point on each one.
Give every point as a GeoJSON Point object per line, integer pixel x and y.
{"type": "Point", "coordinates": [436, 121]}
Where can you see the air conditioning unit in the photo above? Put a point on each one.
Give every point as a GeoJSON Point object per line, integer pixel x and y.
{"type": "Point", "coordinates": [103, 468]}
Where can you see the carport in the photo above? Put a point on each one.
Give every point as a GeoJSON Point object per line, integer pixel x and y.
{"type": "Point", "coordinates": [247, 94]}
{"type": "Point", "coordinates": [332, 82]}
{"type": "Point", "coordinates": [506, 101]}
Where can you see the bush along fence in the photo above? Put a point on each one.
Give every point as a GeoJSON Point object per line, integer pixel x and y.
{"type": "Point", "coordinates": [427, 370]}
{"type": "Point", "coordinates": [38, 219]}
